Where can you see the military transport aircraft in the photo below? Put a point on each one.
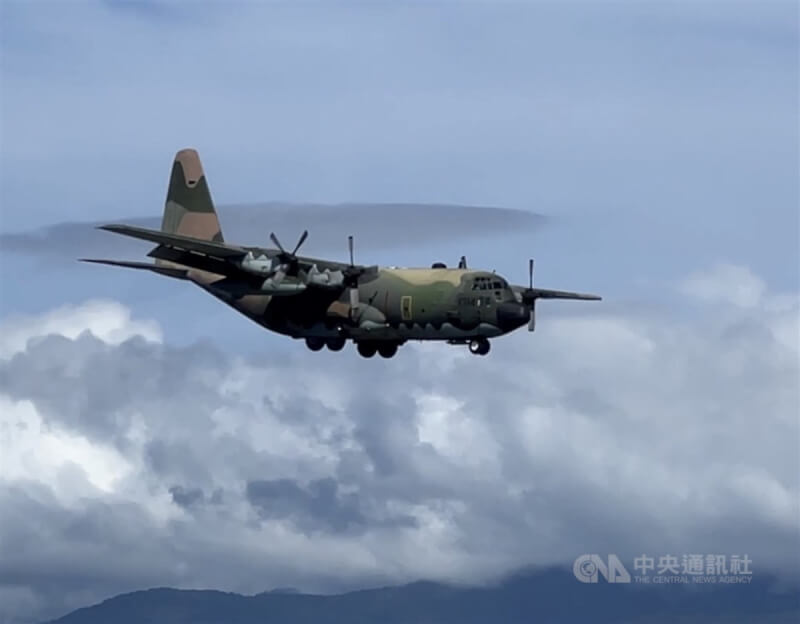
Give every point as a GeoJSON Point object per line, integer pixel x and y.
{"type": "Point", "coordinates": [323, 301]}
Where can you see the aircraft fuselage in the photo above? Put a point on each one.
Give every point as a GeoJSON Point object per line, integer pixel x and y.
{"type": "Point", "coordinates": [396, 304]}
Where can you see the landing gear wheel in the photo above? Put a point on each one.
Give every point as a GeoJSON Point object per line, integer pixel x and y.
{"type": "Point", "coordinates": [335, 344]}
{"type": "Point", "coordinates": [366, 349]}
{"type": "Point", "coordinates": [479, 346]}
{"type": "Point", "coordinates": [387, 349]}
{"type": "Point", "coordinates": [314, 343]}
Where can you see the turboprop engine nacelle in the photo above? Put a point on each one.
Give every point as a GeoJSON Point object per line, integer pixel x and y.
{"type": "Point", "coordinates": [331, 279]}
{"type": "Point", "coordinates": [275, 273]}
{"type": "Point", "coordinates": [260, 266]}
{"type": "Point", "coordinates": [278, 288]}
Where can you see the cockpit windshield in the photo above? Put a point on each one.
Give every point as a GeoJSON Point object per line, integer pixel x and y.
{"type": "Point", "coordinates": [489, 283]}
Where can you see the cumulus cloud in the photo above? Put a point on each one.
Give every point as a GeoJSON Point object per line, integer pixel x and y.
{"type": "Point", "coordinates": [109, 322]}
{"type": "Point", "coordinates": [726, 283]}
{"type": "Point", "coordinates": [129, 462]}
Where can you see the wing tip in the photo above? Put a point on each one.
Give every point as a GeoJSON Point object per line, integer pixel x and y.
{"type": "Point", "coordinates": [176, 272]}
{"type": "Point", "coordinates": [113, 227]}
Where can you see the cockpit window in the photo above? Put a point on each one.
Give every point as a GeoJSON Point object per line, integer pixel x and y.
{"type": "Point", "coordinates": [488, 283]}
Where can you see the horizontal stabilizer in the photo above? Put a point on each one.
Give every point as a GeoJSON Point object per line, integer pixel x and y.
{"type": "Point", "coordinates": [163, 270]}
{"type": "Point", "coordinates": [188, 243]}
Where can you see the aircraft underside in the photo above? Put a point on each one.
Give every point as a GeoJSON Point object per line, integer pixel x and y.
{"type": "Point", "coordinates": [322, 323]}
{"type": "Point", "coordinates": [372, 338]}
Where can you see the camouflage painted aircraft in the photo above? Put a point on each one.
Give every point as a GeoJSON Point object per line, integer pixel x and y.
{"type": "Point", "coordinates": [323, 301]}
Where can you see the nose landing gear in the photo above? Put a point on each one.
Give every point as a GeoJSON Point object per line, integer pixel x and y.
{"type": "Point", "coordinates": [479, 346]}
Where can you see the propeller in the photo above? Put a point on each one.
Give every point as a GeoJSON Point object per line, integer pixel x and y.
{"type": "Point", "coordinates": [529, 297]}
{"type": "Point", "coordinates": [462, 264]}
{"type": "Point", "coordinates": [531, 294]}
{"type": "Point", "coordinates": [289, 262]}
{"type": "Point", "coordinates": [351, 275]}
{"type": "Point", "coordinates": [532, 319]}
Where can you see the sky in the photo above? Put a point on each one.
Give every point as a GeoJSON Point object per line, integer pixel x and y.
{"type": "Point", "coordinates": [644, 151]}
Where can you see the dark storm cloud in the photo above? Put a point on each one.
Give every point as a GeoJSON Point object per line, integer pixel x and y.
{"type": "Point", "coordinates": [62, 550]}
{"type": "Point", "coordinates": [85, 392]}
{"type": "Point", "coordinates": [374, 225]}
{"type": "Point", "coordinates": [318, 505]}
{"type": "Point", "coordinates": [186, 497]}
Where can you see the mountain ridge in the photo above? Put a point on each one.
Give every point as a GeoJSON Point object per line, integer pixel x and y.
{"type": "Point", "coordinates": [551, 595]}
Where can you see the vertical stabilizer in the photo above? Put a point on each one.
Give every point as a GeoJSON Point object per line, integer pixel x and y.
{"type": "Point", "coordinates": [189, 209]}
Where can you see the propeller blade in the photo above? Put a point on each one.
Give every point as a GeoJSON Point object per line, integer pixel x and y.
{"type": "Point", "coordinates": [303, 238]}
{"type": "Point", "coordinates": [530, 273]}
{"type": "Point", "coordinates": [275, 240]}
{"type": "Point", "coordinates": [532, 318]}
{"type": "Point", "coordinates": [353, 280]}
{"type": "Point", "coordinates": [353, 303]}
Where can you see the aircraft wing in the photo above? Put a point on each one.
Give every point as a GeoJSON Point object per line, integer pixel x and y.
{"type": "Point", "coordinates": [178, 241]}
{"type": "Point", "coordinates": [146, 266]}
{"type": "Point", "coordinates": [531, 294]}
{"type": "Point", "coordinates": [232, 261]}
{"type": "Point", "coordinates": [543, 293]}
{"type": "Point", "coordinates": [213, 249]}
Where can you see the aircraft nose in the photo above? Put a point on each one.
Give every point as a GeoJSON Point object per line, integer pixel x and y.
{"type": "Point", "coordinates": [512, 315]}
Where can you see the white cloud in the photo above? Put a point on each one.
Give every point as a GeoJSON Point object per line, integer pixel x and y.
{"type": "Point", "coordinates": [35, 451]}
{"type": "Point", "coordinates": [607, 431]}
{"type": "Point", "coordinates": [109, 321]}
{"type": "Point", "coordinates": [726, 283]}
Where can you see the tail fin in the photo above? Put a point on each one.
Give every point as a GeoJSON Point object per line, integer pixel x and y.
{"type": "Point", "coordinates": [189, 210]}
